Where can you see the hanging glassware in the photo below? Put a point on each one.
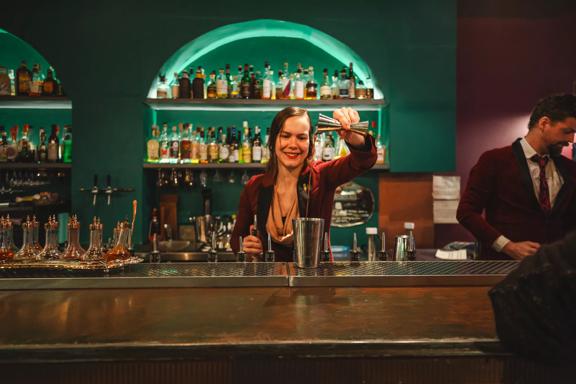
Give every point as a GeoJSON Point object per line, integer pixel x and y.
{"type": "Point", "coordinates": [36, 235]}
{"type": "Point", "coordinates": [73, 251]}
{"type": "Point", "coordinates": [50, 250]}
{"type": "Point", "coordinates": [120, 251]}
{"type": "Point", "coordinates": [7, 248]}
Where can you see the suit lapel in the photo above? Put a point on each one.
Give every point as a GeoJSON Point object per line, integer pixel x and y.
{"type": "Point", "coordinates": [525, 172]}
{"type": "Point", "coordinates": [567, 188]}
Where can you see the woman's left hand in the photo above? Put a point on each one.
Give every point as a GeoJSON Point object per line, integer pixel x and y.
{"type": "Point", "coordinates": [347, 116]}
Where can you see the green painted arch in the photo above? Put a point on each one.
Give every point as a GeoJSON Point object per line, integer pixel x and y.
{"type": "Point", "coordinates": [13, 50]}
{"type": "Point", "coordinates": [230, 33]}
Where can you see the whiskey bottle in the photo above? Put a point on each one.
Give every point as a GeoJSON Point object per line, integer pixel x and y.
{"type": "Point", "coordinates": [212, 146]}
{"type": "Point", "coordinates": [162, 88]}
{"type": "Point", "coordinates": [184, 88]}
{"type": "Point", "coordinates": [299, 85]}
{"type": "Point", "coordinates": [224, 147]}
{"type": "Point", "coordinates": [3, 144]}
{"type": "Point", "coordinates": [343, 84]}
{"type": "Point", "coordinates": [49, 87]}
{"type": "Point", "coordinates": [267, 83]}
{"type": "Point", "coordinates": [328, 150]}
{"type": "Point", "coordinates": [203, 147]}
{"type": "Point", "coordinates": [351, 82]}
{"type": "Point", "coordinates": [53, 145]}
{"type": "Point", "coordinates": [175, 86]}
{"type": "Point", "coordinates": [245, 84]}
{"type": "Point", "coordinates": [195, 148]}
{"type": "Point", "coordinates": [311, 85]}
{"type": "Point", "coordinates": [229, 81]}
{"type": "Point", "coordinates": [325, 91]}
{"type": "Point", "coordinates": [265, 149]}
{"type": "Point", "coordinates": [23, 80]}
{"type": "Point", "coordinates": [24, 147]}
{"type": "Point", "coordinates": [221, 85]}
{"type": "Point", "coordinates": [235, 84]}
{"type": "Point", "coordinates": [37, 81]}
{"type": "Point", "coordinates": [198, 84]}
{"type": "Point", "coordinates": [12, 147]}
{"type": "Point", "coordinates": [186, 143]}
{"type": "Point", "coordinates": [211, 90]}
{"type": "Point", "coordinates": [335, 85]}
{"type": "Point", "coordinates": [246, 145]}
{"type": "Point", "coordinates": [5, 84]}
{"type": "Point", "coordinates": [361, 93]}
{"type": "Point", "coordinates": [233, 158]}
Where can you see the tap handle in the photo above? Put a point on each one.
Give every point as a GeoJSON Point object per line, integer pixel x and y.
{"type": "Point", "coordinates": [108, 181]}
{"type": "Point", "coordinates": [95, 183]}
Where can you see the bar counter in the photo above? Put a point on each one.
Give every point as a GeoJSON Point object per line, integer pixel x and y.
{"type": "Point", "coordinates": [252, 334]}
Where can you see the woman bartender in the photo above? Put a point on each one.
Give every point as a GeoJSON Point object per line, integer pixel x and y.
{"type": "Point", "coordinates": [293, 184]}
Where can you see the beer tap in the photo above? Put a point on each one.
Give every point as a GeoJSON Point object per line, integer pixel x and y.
{"type": "Point", "coordinates": [382, 254]}
{"type": "Point", "coordinates": [270, 255]}
{"type": "Point", "coordinates": [213, 255]}
{"type": "Point", "coordinates": [108, 191]}
{"type": "Point", "coordinates": [241, 255]}
{"type": "Point", "coordinates": [355, 252]}
{"type": "Point", "coordinates": [94, 190]}
{"type": "Point", "coordinates": [326, 250]}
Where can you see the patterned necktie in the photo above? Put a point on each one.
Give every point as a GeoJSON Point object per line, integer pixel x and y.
{"type": "Point", "coordinates": [544, 195]}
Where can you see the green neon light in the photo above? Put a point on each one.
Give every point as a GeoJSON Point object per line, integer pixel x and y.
{"type": "Point", "coordinates": [219, 37]}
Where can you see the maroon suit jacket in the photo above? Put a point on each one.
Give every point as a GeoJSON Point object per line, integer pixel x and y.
{"type": "Point", "coordinates": [500, 187]}
{"type": "Point", "coordinates": [256, 197]}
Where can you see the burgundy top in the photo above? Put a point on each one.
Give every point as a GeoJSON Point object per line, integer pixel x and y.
{"type": "Point", "coordinates": [256, 197]}
{"type": "Point", "coordinates": [500, 200]}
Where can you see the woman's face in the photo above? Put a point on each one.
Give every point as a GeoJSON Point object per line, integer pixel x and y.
{"type": "Point", "coordinates": [292, 142]}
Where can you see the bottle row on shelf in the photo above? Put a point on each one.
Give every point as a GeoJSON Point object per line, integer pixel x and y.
{"type": "Point", "coordinates": [184, 144]}
{"type": "Point", "coordinates": [22, 148]}
{"type": "Point", "coordinates": [26, 82]}
{"type": "Point", "coordinates": [250, 84]}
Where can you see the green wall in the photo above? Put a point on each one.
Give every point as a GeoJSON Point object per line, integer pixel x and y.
{"type": "Point", "coordinates": [107, 54]}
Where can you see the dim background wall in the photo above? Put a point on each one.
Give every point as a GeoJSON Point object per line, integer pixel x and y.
{"type": "Point", "coordinates": [107, 53]}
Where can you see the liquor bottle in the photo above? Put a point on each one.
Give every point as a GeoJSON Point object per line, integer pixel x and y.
{"type": "Point", "coordinates": [343, 84]}
{"type": "Point", "coordinates": [198, 84]}
{"type": "Point", "coordinates": [246, 145]}
{"type": "Point", "coordinates": [287, 84]}
{"type": "Point", "coordinates": [186, 143]}
{"type": "Point", "coordinates": [245, 84]}
{"type": "Point", "coordinates": [235, 84]}
{"type": "Point", "coordinates": [12, 147]}
{"type": "Point", "coordinates": [23, 80]}
{"type": "Point", "coordinates": [174, 151]}
{"type": "Point", "coordinates": [335, 85]}
{"type": "Point", "coordinates": [42, 147]}
{"type": "Point", "coordinates": [265, 149]}
{"type": "Point", "coordinates": [164, 144]}
{"type": "Point", "coordinates": [229, 81]}
{"type": "Point", "coordinates": [255, 85]}
{"type": "Point", "coordinates": [233, 158]}
{"type": "Point", "coordinates": [3, 144]}
{"type": "Point", "coordinates": [341, 148]}
{"type": "Point", "coordinates": [325, 91]}
{"type": "Point", "coordinates": [256, 146]}
{"type": "Point", "coordinates": [380, 151]}
{"type": "Point", "coordinates": [212, 146]}
{"type": "Point", "coordinates": [49, 87]}
{"type": "Point", "coordinates": [175, 86]}
{"type": "Point", "coordinates": [224, 147]}
{"type": "Point", "coordinates": [319, 146]}
{"type": "Point", "coordinates": [162, 88]}
{"type": "Point", "coordinates": [328, 150]}
{"type": "Point", "coordinates": [184, 87]}
{"type": "Point", "coordinates": [25, 150]}
{"type": "Point", "coordinates": [311, 85]}
{"type": "Point", "coordinates": [361, 92]}
{"type": "Point", "coordinates": [369, 88]}
{"type": "Point", "coordinates": [12, 77]}
{"type": "Point", "coordinates": [153, 146]}
{"type": "Point", "coordinates": [267, 83]}
{"type": "Point", "coordinates": [59, 89]}
{"type": "Point", "coordinates": [203, 147]}
{"type": "Point", "coordinates": [221, 85]}
{"type": "Point", "coordinates": [195, 148]}
{"type": "Point", "coordinates": [299, 85]}
{"type": "Point", "coordinates": [5, 85]}
{"type": "Point", "coordinates": [53, 145]}
{"type": "Point", "coordinates": [279, 86]}
{"type": "Point", "coordinates": [211, 90]}
{"type": "Point", "coordinates": [67, 144]}
{"type": "Point", "coordinates": [37, 81]}
{"type": "Point", "coordinates": [351, 82]}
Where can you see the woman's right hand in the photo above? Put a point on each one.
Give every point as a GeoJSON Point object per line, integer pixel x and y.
{"type": "Point", "coordinates": [252, 245]}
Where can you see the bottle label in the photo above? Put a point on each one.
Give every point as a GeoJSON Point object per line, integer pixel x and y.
{"type": "Point", "coordinates": [203, 152]}
{"type": "Point", "coordinates": [222, 88]}
{"type": "Point", "coordinates": [380, 154]}
{"type": "Point", "coordinates": [267, 89]}
{"type": "Point", "coordinates": [299, 90]}
{"type": "Point", "coordinates": [224, 152]}
{"type": "Point", "coordinates": [325, 92]}
{"type": "Point", "coordinates": [164, 150]}
{"type": "Point", "coordinates": [153, 147]}
{"type": "Point", "coordinates": [185, 149]}
{"type": "Point", "coordinates": [256, 154]}
{"type": "Point", "coordinates": [213, 152]}
{"type": "Point", "coordinates": [175, 149]}
{"type": "Point", "coordinates": [52, 152]}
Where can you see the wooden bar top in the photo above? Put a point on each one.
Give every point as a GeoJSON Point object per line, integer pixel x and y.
{"type": "Point", "coordinates": [85, 324]}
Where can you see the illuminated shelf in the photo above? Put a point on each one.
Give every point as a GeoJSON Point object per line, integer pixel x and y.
{"type": "Point", "coordinates": [9, 165]}
{"type": "Point", "coordinates": [29, 102]}
{"type": "Point", "coordinates": [382, 167]}
{"type": "Point", "coordinates": [262, 105]}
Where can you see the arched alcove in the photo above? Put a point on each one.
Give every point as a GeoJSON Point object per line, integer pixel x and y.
{"type": "Point", "coordinates": [264, 39]}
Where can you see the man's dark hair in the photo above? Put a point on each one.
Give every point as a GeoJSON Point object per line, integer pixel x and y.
{"type": "Point", "coordinates": [555, 107]}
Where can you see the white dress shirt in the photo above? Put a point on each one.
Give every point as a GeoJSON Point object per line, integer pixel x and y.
{"type": "Point", "coordinates": [553, 178]}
